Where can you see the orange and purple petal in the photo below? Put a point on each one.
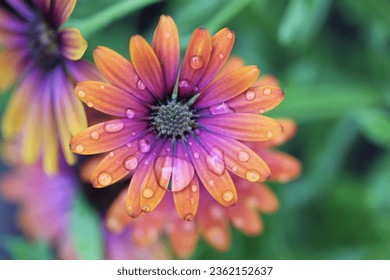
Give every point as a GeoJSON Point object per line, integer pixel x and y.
{"type": "Point", "coordinates": [61, 10]}
{"type": "Point", "coordinates": [73, 44]}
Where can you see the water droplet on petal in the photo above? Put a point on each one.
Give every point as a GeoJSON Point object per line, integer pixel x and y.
{"type": "Point", "coordinates": [148, 193]}
{"type": "Point", "coordinates": [184, 84]}
{"type": "Point", "coordinates": [167, 34]}
{"type": "Point", "coordinates": [196, 62]}
{"type": "Point", "coordinates": [192, 201]}
{"type": "Point", "coordinates": [261, 111]}
{"type": "Point", "coordinates": [130, 163]}
{"type": "Point", "coordinates": [228, 196]}
{"type": "Point", "coordinates": [229, 35]}
{"type": "Point", "coordinates": [90, 104]}
{"type": "Point", "coordinates": [95, 135]}
{"type": "Point", "coordinates": [143, 146]}
{"type": "Point", "coordinates": [101, 86]}
{"type": "Point", "coordinates": [215, 162]}
{"type": "Point", "coordinates": [197, 131]}
{"type": "Point", "coordinates": [129, 145]}
{"type": "Point", "coordinates": [194, 188]}
{"type": "Point", "coordinates": [252, 175]}
{"type": "Point", "coordinates": [79, 148]}
{"type": "Point", "coordinates": [141, 85]}
{"type": "Point", "coordinates": [104, 179]}
{"type": "Point", "coordinates": [235, 168]}
{"type": "Point", "coordinates": [189, 217]}
{"type": "Point", "coordinates": [211, 183]}
{"type": "Point", "coordinates": [243, 156]}
{"type": "Point", "coordinates": [267, 91]}
{"type": "Point", "coordinates": [113, 126]}
{"type": "Point", "coordinates": [146, 209]}
{"type": "Point", "coordinates": [221, 56]}
{"type": "Point", "coordinates": [130, 113]}
{"type": "Point", "coordinates": [219, 109]}
{"type": "Point", "coordinates": [111, 154]}
{"type": "Point", "coordinates": [195, 89]}
{"type": "Point", "coordinates": [190, 143]}
{"type": "Point", "coordinates": [269, 134]}
{"type": "Point", "coordinates": [250, 95]}
{"type": "Point", "coordinates": [81, 94]}
{"type": "Point", "coordinates": [196, 155]}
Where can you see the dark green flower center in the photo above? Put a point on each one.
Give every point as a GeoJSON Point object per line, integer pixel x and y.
{"type": "Point", "coordinates": [174, 119]}
{"type": "Point", "coordinates": [43, 44]}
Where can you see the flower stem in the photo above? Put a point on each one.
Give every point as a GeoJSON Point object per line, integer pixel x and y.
{"type": "Point", "coordinates": [100, 20]}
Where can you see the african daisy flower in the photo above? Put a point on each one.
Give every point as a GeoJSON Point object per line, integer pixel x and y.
{"type": "Point", "coordinates": [212, 220]}
{"type": "Point", "coordinates": [44, 61]}
{"type": "Point", "coordinates": [177, 131]}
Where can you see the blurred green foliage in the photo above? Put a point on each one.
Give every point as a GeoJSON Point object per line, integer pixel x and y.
{"type": "Point", "coordinates": [333, 61]}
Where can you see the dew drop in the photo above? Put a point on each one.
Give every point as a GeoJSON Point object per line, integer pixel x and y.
{"type": "Point", "coordinates": [197, 131]}
{"type": "Point", "coordinates": [79, 148]}
{"type": "Point", "coordinates": [235, 168]}
{"type": "Point", "coordinates": [90, 104]}
{"type": "Point", "coordinates": [192, 201]}
{"type": "Point", "coordinates": [146, 209]}
{"type": "Point", "coordinates": [81, 94]}
{"type": "Point", "coordinates": [184, 84]}
{"type": "Point", "coordinates": [195, 89]}
{"type": "Point", "coordinates": [196, 155]}
{"type": "Point", "coordinates": [129, 145]}
{"type": "Point", "coordinates": [111, 154]}
{"type": "Point", "coordinates": [219, 109]}
{"type": "Point", "coordinates": [269, 134]}
{"type": "Point", "coordinates": [194, 188]}
{"type": "Point", "coordinates": [130, 163]}
{"type": "Point", "coordinates": [196, 62]}
{"type": "Point", "coordinates": [243, 156]}
{"type": "Point", "coordinates": [229, 35]}
{"type": "Point", "coordinates": [133, 133]}
{"type": "Point", "coordinates": [189, 217]}
{"type": "Point", "coordinates": [147, 193]}
{"type": "Point", "coordinates": [95, 135]}
{"type": "Point", "coordinates": [101, 86]}
{"type": "Point", "coordinates": [252, 175]}
{"type": "Point", "coordinates": [104, 179]}
{"type": "Point", "coordinates": [167, 34]}
{"type": "Point", "coordinates": [143, 146]}
{"type": "Point", "coordinates": [215, 161]}
{"type": "Point", "coordinates": [228, 196]}
{"type": "Point", "coordinates": [221, 56]}
{"type": "Point", "coordinates": [267, 91]}
{"type": "Point", "coordinates": [113, 126]}
{"type": "Point", "coordinates": [130, 113]}
{"type": "Point", "coordinates": [140, 85]}
{"type": "Point", "coordinates": [190, 143]}
{"type": "Point", "coordinates": [261, 111]}
{"type": "Point", "coordinates": [250, 95]}
{"type": "Point", "coordinates": [211, 183]}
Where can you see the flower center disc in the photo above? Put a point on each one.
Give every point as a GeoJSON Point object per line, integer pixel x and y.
{"type": "Point", "coordinates": [43, 44]}
{"type": "Point", "coordinates": [173, 119]}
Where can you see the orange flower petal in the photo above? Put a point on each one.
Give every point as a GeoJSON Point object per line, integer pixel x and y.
{"type": "Point", "coordinates": [117, 218]}
{"type": "Point", "coordinates": [183, 237]}
{"type": "Point", "coordinates": [182, 169]}
{"type": "Point", "coordinates": [243, 126]}
{"type": "Point", "coordinates": [106, 136]}
{"type": "Point", "coordinates": [267, 80]}
{"type": "Point", "coordinates": [234, 63]}
{"type": "Point", "coordinates": [267, 200]}
{"type": "Point", "coordinates": [167, 47]}
{"type": "Point", "coordinates": [195, 61]}
{"type": "Point", "coordinates": [257, 100]}
{"type": "Point", "coordinates": [147, 65]}
{"type": "Point", "coordinates": [10, 68]}
{"type": "Point", "coordinates": [284, 167]}
{"type": "Point", "coordinates": [187, 200]}
{"type": "Point", "coordinates": [222, 44]}
{"type": "Point", "coordinates": [245, 219]}
{"type": "Point", "coordinates": [110, 99]}
{"type": "Point", "coordinates": [214, 226]}
{"type": "Point", "coordinates": [228, 86]}
{"type": "Point", "coordinates": [62, 9]}
{"type": "Point", "coordinates": [289, 130]}
{"type": "Point", "coordinates": [118, 163]}
{"type": "Point", "coordinates": [73, 43]}
{"type": "Point", "coordinates": [237, 157]}
{"type": "Point", "coordinates": [15, 112]}
{"type": "Point", "coordinates": [213, 175]}
{"type": "Point", "coordinates": [120, 73]}
{"type": "Point", "coordinates": [147, 231]}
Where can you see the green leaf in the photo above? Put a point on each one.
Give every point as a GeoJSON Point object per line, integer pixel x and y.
{"type": "Point", "coordinates": [85, 230]}
{"type": "Point", "coordinates": [20, 248]}
{"type": "Point", "coordinates": [375, 124]}
{"type": "Point", "coordinates": [302, 20]}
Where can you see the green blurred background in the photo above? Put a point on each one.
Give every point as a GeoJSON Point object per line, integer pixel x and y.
{"type": "Point", "coordinates": [333, 62]}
